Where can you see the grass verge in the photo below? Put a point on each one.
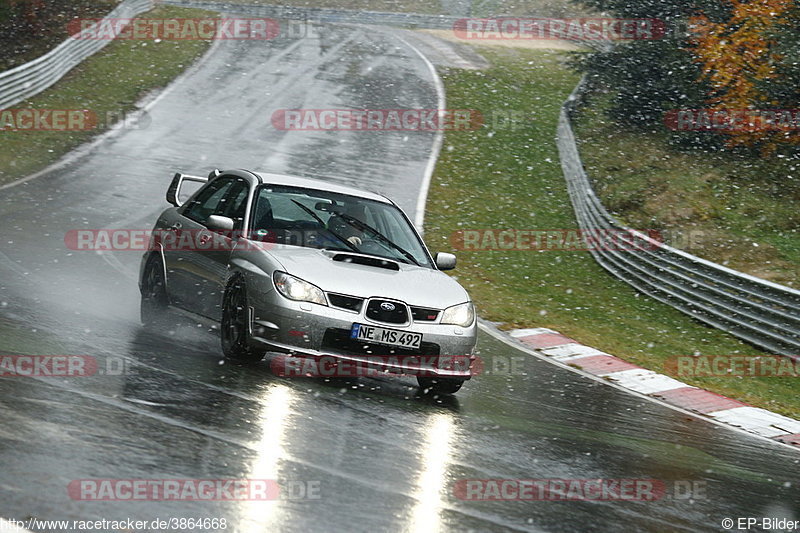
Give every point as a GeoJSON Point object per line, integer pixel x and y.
{"type": "Point", "coordinates": [109, 84]}
{"type": "Point", "coordinates": [506, 178]}
{"type": "Point", "coordinates": [734, 210]}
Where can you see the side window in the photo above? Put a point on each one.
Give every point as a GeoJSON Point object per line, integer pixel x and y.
{"type": "Point", "coordinates": [210, 201]}
{"type": "Point", "coordinates": [234, 204]}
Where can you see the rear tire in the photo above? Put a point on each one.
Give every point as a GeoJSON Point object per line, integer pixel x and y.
{"type": "Point", "coordinates": [153, 306]}
{"type": "Point", "coordinates": [234, 327]}
{"type": "Point", "coordinates": [439, 385]}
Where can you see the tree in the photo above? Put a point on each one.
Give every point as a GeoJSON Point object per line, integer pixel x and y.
{"type": "Point", "coordinates": [750, 61]}
{"type": "Point", "coordinates": [738, 54]}
{"type": "Point", "coordinates": [28, 28]}
{"type": "Point", "coordinates": [650, 77]}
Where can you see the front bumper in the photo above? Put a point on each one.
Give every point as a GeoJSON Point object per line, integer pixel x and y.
{"type": "Point", "coordinates": [313, 330]}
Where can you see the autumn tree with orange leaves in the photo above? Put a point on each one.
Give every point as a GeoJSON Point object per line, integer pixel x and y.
{"type": "Point", "coordinates": [741, 58]}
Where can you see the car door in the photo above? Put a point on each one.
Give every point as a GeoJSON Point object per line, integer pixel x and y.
{"type": "Point", "coordinates": [186, 273]}
{"type": "Point", "coordinates": [209, 259]}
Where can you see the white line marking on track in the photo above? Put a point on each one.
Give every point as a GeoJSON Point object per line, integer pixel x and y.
{"type": "Point", "coordinates": [566, 350]}
{"type": "Point", "coordinates": [419, 217]}
{"type": "Point", "coordinates": [759, 420]}
{"type": "Point", "coordinates": [519, 333]}
{"type": "Point", "coordinates": [645, 381]}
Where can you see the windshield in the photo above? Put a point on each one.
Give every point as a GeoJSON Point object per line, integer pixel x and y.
{"type": "Point", "coordinates": [313, 218]}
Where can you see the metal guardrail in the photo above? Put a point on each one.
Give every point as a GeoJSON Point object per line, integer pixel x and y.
{"type": "Point", "coordinates": [30, 79]}
{"type": "Point", "coordinates": [760, 312]}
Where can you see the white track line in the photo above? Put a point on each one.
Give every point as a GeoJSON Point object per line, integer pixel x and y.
{"type": "Point", "coordinates": [419, 217]}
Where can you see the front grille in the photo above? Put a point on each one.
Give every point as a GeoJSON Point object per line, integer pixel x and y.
{"type": "Point", "coordinates": [351, 303]}
{"type": "Point", "coordinates": [423, 314]}
{"type": "Point", "coordinates": [387, 311]}
{"type": "Point", "coordinates": [338, 340]}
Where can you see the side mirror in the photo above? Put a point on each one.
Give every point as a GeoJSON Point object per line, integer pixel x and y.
{"type": "Point", "coordinates": [445, 261]}
{"type": "Point", "coordinates": [219, 223]}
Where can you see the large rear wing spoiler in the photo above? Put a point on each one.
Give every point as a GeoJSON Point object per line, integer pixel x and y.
{"type": "Point", "coordinates": [174, 191]}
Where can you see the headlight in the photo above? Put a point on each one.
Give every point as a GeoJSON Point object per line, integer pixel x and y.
{"type": "Point", "coordinates": [297, 289]}
{"type": "Point", "coordinates": [459, 315]}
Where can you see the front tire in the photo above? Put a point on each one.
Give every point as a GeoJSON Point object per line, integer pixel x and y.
{"type": "Point", "coordinates": [439, 385]}
{"type": "Point", "coordinates": [234, 327]}
{"type": "Point", "coordinates": [153, 306]}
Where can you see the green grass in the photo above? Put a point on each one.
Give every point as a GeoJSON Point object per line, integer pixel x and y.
{"type": "Point", "coordinates": [735, 210]}
{"type": "Point", "coordinates": [111, 81]}
{"type": "Point", "coordinates": [505, 178]}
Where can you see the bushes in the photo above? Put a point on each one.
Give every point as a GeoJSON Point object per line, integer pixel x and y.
{"type": "Point", "coordinates": [739, 54]}
{"type": "Point", "coordinates": [29, 28]}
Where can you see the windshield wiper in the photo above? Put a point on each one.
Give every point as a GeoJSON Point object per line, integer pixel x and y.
{"type": "Point", "coordinates": [380, 236]}
{"type": "Point", "coordinates": [322, 223]}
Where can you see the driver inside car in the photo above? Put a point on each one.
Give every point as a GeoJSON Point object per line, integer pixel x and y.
{"type": "Point", "coordinates": [341, 226]}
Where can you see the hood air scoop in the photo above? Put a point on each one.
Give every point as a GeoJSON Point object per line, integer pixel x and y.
{"type": "Point", "coordinates": [367, 261]}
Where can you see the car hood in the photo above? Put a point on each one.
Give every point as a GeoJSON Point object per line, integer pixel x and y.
{"type": "Point", "coordinates": [418, 286]}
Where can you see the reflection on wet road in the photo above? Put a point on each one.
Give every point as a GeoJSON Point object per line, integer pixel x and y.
{"type": "Point", "coordinates": [363, 455]}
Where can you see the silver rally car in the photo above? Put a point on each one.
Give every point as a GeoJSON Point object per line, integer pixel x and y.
{"type": "Point", "coordinates": [310, 269]}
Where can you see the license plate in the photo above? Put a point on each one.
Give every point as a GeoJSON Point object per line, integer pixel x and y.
{"type": "Point", "coordinates": [392, 337]}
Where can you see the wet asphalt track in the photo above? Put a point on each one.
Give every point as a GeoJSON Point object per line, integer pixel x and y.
{"type": "Point", "coordinates": [384, 458]}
